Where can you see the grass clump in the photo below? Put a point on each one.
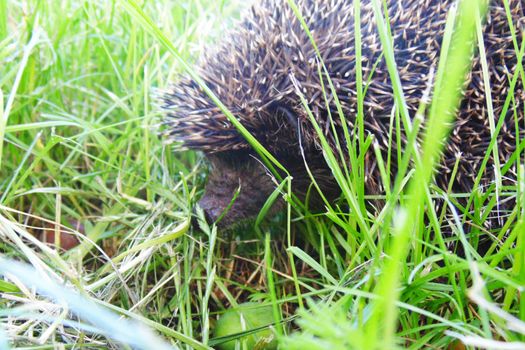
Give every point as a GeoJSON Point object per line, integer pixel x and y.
{"type": "Point", "coordinates": [80, 158]}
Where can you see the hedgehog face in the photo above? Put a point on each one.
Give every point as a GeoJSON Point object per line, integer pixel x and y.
{"type": "Point", "coordinates": [238, 186]}
{"type": "Point", "coordinates": [238, 182]}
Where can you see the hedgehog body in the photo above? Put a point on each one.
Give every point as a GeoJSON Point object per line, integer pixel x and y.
{"type": "Point", "coordinates": [268, 60]}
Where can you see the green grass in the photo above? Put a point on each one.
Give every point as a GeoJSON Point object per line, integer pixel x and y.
{"type": "Point", "coordinates": [79, 155]}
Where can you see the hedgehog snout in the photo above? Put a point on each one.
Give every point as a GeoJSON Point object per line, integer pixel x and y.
{"type": "Point", "coordinates": [211, 208]}
{"type": "Point", "coordinates": [218, 203]}
{"type": "Point", "coordinates": [237, 188]}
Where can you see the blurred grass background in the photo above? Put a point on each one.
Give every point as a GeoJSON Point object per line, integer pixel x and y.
{"type": "Point", "coordinates": [80, 157]}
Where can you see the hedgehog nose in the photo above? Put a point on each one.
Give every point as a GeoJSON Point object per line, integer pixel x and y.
{"type": "Point", "coordinates": [211, 210]}
{"type": "Point", "coordinates": [210, 217]}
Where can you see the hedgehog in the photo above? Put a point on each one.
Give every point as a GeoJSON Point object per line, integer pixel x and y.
{"type": "Point", "coordinates": [267, 61]}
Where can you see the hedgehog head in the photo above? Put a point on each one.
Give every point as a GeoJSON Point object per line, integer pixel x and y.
{"type": "Point", "coordinates": [239, 183]}
{"type": "Point", "coordinates": [238, 186]}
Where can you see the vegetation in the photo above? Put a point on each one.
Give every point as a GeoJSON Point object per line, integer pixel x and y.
{"type": "Point", "coordinates": [80, 157]}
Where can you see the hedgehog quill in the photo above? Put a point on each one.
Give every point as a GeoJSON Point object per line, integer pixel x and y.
{"type": "Point", "coordinates": [257, 70]}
